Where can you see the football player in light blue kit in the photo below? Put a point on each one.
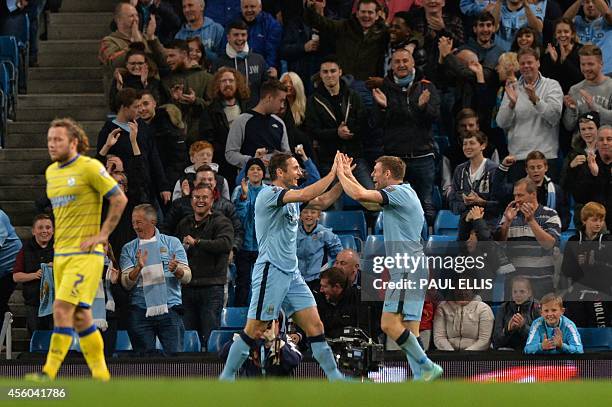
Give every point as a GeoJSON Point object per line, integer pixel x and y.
{"type": "Point", "coordinates": [276, 280]}
{"type": "Point", "coordinates": [402, 224]}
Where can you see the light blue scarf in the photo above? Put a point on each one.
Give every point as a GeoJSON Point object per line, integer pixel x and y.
{"type": "Point", "coordinates": [406, 81]}
{"type": "Point", "coordinates": [551, 200]}
{"type": "Point", "coordinates": [152, 278]}
{"type": "Point", "coordinates": [47, 291]}
{"type": "Point", "coordinates": [104, 297]}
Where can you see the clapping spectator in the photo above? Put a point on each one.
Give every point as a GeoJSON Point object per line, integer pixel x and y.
{"type": "Point", "coordinates": [527, 37]}
{"type": "Point", "coordinates": [561, 61]}
{"type": "Point", "coordinates": [167, 20]}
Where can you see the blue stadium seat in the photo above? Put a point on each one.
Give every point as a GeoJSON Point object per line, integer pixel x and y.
{"type": "Point", "coordinates": [123, 341]}
{"type": "Point", "coordinates": [217, 339]}
{"type": "Point", "coordinates": [378, 227]}
{"type": "Point", "coordinates": [440, 245]}
{"type": "Point", "coordinates": [234, 317]}
{"type": "Point", "coordinates": [345, 223]}
{"type": "Point", "coordinates": [596, 339]}
{"type": "Point", "coordinates": [447, 223]}
{"type": "Point", "coordinates": [191, 342]}
{"type": "Point", "coordinates": [436, 198]}
{"type": "Point", "coordinates": [9, 58]}
{"type": "Point", "coordinates": [40, 340]}
{"type": "Point", "coordinates": [348, 242]}
{"type": "Point", "coordinates": [374, 246]}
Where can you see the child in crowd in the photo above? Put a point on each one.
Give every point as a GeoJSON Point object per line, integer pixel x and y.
{"type": "Point", "coordinates": [553, 332]}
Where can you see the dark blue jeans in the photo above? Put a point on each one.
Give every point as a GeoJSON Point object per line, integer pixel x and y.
{"type": "Point", "coordinates": [167, 327]}
{"type": "Point", "coordinates": [421, 173]}
{"type": "Point", "coordinates": [203, 306]}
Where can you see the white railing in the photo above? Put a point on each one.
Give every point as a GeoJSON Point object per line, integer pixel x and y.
{"type": "Point", "coordinates": [5, 333]}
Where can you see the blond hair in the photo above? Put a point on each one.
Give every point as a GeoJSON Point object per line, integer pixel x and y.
{"type": "Point", "coordinates": [74, 130]}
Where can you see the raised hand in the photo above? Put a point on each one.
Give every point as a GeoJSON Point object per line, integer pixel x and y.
{"type": "Point", "coordinates": [379, 97]}
{"type": "Point", "coordinates": [511, 92]}
{"type": "Point", "coordinates": [592, 163]}
{"type": "Point", "coordinates": [172, 264]}
{"type": "Point", "coordinates": [151, 27]}
{"type": "Point", "coordinates": [569, 102]}
{"type": "Point", "coordinates": [118, 79]}
{"type": "Point", "coordinates": [547, 344]}
{"type": "Point", "coordinates": [588, 99]}
{"type": "Point", "coordinates": [136, 35]}
{"type": "Point", "coordinates": [445, 47]}
{"type": "Point", "coordinates": [531, 94]}
{"type": "Point", "coordinates": [509, 161]}
{"type": "Point", "coordinates": [244, 184]}
{"type": "Point", "coordinates": [424, 98]}
{"type": "Point", "coordinates": [557, 340]}
{"type": "Point", "coordinates": [552, 51]}
{"type": "Point", "coordinates": [113, 137]}
{"type": "Point", "coordinates": [578, 160]}
{"type": "Point", "coordinates": [144, 75]}
{"type": "Point", "coordinates": [511, 211]}
{"type": "Point", "coordinates": [133, 131]}
{"type": "Point", "coordinates": [189, 98]}
{"type": "Point", "coordinates": [185, 188]}
{"type": "Point", "coordinates": [141, 258]}
{"type": "Point", "coordinates": [528, 211]}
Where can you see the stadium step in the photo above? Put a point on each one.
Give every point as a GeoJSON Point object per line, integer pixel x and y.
{"type": "Point", "coordinates": [68, 73]}
{"type": "Point", "coordinates": [24, 154]}
{"type": "Point", "coordinates": [34, 134]}
{"type": "Point", "coordinates": [80, 18]}
{"type": "Point", "coordinates": [23, 167]}
{"type": "Point", "coordinates": [65, 86]}
{"type": "Point", "coordinates": [50, 113]}
{"type": "Point", "coordinates": [87, 5]}
{"type": "Point", "coordinates": [24, 232]}
{"type": "Point", "coordinates": [61, 101]}
{"type": "Point", "coordinates": [87, 31]}
{"type": "Point", "coordinates": [20, 212]}
{"type": "Point", "coordinates": [69, 53]}
{"type": "Point", "coordinates": [14, 193]}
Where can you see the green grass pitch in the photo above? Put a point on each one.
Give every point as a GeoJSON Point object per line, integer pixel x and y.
{"type": "Point", "coordinates": [271, 393]}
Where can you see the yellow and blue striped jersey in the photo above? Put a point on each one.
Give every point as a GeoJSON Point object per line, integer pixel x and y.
{"type": "Point", "coordinates": [75, 189]}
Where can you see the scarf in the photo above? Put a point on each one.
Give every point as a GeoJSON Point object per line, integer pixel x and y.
{"type": "Point", "coordinates": [47, 291]}
{"type": "Point", "coordinates": [152, 278]}
{"type": "Point", "coordinates": [232, 53]}
{"type": "Point", "coordinates": [551, 199]}
{"type": "Point", "coordinates": [97, 308]}
{"type": "Point", "coordinates": [404, 82]}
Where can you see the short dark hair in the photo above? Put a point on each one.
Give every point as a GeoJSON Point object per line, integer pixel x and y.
{"type": "Point", "coordinates": [528, 51]}
{"type": "Point", "coordinates": [360, 2]}
{"type": "Point", "coordinates": [41, 216]}
{"type": "Point", "coordinates": [484, 17]}
{"type": "Point", "coordinates": [466, 113]}
{"type": "Point", "coordinates": [147, 92]}
{"type": "Point", "coordinates": [135, 48]}
{"type": "Point", "coordinates": [271, 87]}
{"type": "Point", "coordinates": [237, 25]}
{"type": "Point", "coordinates": [335, 275]}
{"type": "Point", "coordinates": [204, 168]}
{"type": "Point", "coordinates": [126, 97]}
{"type": "Point", "coordinates": [181, 45]}
{"type": "Point", "coordinates": [477, 134]}
{"type": "Point", "coordinates": [404, 15]}
{"type": "Point", "coordinates": [330, 59]}
{"type": "Point", "coordinates": [201, 186]}
{"type": "Point", "coordinates": [395, 165]}
{"type": "Point", "coordinates": [535, 155]}
{"type": "Point", "coordinates": [278, 160]}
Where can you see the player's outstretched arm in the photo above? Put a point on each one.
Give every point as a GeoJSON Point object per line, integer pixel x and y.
{"type": "Point", "coordinates": [370, 199]}
{"type": "Point", "coordinates": [117, 203]}
{"type": "Point", "coordinates": [322, 202]}
{"type": "Point", "coordinates": [311, 191]}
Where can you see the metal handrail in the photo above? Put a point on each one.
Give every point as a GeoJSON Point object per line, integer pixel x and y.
{"type": "Point", "coordinates": [5, 333]}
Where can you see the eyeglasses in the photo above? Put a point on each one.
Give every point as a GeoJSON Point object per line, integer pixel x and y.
{"type": "Point", "coordinates": [136, 63]}
{"type": "Point", "coordinates": [198, 198]}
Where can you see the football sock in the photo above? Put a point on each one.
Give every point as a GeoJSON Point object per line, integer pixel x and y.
{"type": "Point", "coordinates": [92, 347]}
{"type": "Point", "coordinates": [410, 345]}
{"type": "Point", "coordinates": [238, 353]}
{"type": "Point", "coordinates": [324, 355]}
{"type": "Point", "coordinates": [61, 339]}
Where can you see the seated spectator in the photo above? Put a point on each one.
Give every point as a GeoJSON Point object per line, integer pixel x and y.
{"type": "Point", "coordinates": [348, 261]}
{"type": "Point", "coordinates": [27, 270]}
{"type": "Point", "coordinates": [531, 106]}
{"type": "Point", "coordinates": [281, 355]}
{"type": "Point", "coordinates": [136, 141]}
{"type": "Point", "coordinates": [561, 61]}
{"type": "Point", "coordinates": [239, 56]}
{"type": "Point", "coordinates": [482, 43]}
{"type": "Point", "coordinates": [185, 86]}
{"type": "Point", "coordinates": [317, 245]}
{"type": "Point", "coordinates": [340, 306]}
{"type": "Point", "coordinates": [155, 302]}
{"type": "Point", "coordinates": [527, 37]}
{"type": "Point", "coordinates": [114, 47]}
{"type": "Point", "coordinates": [465, 323]}
{"type": "Point", "coordinates": [587, 261]}
{"type": "Point", "coordinates": [533, 230]}
{"type": "Point", "coordinates": [10, 245]}
{"type": "Point", "coordinates": [549, 193]}
{"type": "Point", "coordinates": [406, 103]}
{"type": "Point", "coordinates": [182, 207]}
{"type": "Point", "coordinates": [167, 21]}
{"type": "Point", "coordinates": [200, 153]}
{"type": "Point", "coordinates": [167, 130]}
{"type": "Point", "coordinates": [514, 318]}
{"type": "Point", "coordinates": [553, 332]}
{"type": "Point", "coordinates": [511, 15]}
{"type": "Point", "coordinates": [335, 118]}
{"type": "Point", "coordinates": [229, 95]}
{"type": "Point", "coordinates": [207, 236]}
{"type": "Point", "coordinates": [593, 94]}
{"type": "Point", "coordinates": [135, 75]}
{"type": "Point", "coordinates": [197, 25]}
{"type": "Point", "coordinates": [593, 25]}
{"type": "Point", "coordinates": [259, 128]}
{"type": "Point", "coordinates": [243, 198]}
{"type": "Point", "coordinates": [474, 180]}
{"type": "Point", "coordinates": [294, 113]}
{"type": "Point", "coordinates": [265, 32]}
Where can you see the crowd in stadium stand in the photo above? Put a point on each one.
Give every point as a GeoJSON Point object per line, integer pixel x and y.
{"type": "Point", "coordinates": [500, 109]}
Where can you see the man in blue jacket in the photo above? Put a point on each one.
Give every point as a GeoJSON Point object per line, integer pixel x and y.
{"type": "Point", "coordinates": [206, 29]}
{"type": "Point", "coordinates": [265, 33]}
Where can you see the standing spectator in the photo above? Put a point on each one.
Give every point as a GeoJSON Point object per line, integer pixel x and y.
{"type": "Point", "coordinates": [465, 323]}
{"type": "Point", "coordinates": [550, 194]}
{"type": "Point", "coordinates": [205, 28]}
{"type": "Point", "coordinates": [243, 198]}
{"type": "Point", "coordinates": [317, 246]}
{"type": "Point", "coordinates": [27, 270]}
{"type": "Point", "coordinates": [153, 267]}
{"type": "Point", "coordinates": [473, 8]}
{"type": "Point", "coordinates": [208, 237]}
{"type": "Point", "coordinates": [295, 113]}
{"type": "Point", "coordinates": [401, 36]}
{"type": "Point", "coordinates": [265, 33]}
{"type": "Point", "coordinates": [474, 180]}
{"type": "Point", "coordinates": [533, 231]}
{"type": "Point", "coordinates": [561, 61]}
{"type": "Point", "coordinates": [362, 32]}
{"type": "Point", "coordinates": [593, 94]}
{"type": "Point", "coordinates": [229, 95]}
{"type": "Point", "coordinates": [553, 332]}
{"type": "Point", "coordinates": [167, 21]}
{"type": "Point", "coordinates": [593, 25]}
{"type": "Point", "coordinates": [483, 43]}
{"type": "Point", "coordinates": [185, 86]}
{"type": "Point", "coordinates": [530, 114]}
{"type": "Point", "coordinates": [527, 37]}
{"type": "Point", "coordinates": [407, 105]}
{"type": "Point", "coordinates": [114, 47]}
{"type": "Point", "coordinates": [335, 117]}
{"type": "Point", "coordinates": [511, 15]}
{"type": "Point", "coordinates": [238, 55]}
{"type": "Point", "coordinates": [223, 11]}
{"type": "Point", "coordinates": [259, 128]}
{"type": "Point", "coordinates": [514, 318]}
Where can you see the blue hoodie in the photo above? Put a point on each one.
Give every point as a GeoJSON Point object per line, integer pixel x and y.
{"type": "Point", "coordinates": [571, 337]}
{"type": "Point", "coordinates": [265, 35]}
{"type": "Point", "coordinates": [246, 212]}
{"type": "Point", "coordinates": [315, 250]}
{"type": "Point", "coordinates": [10, 245]}
{"type": "Point", "coordinates": [211, 34]}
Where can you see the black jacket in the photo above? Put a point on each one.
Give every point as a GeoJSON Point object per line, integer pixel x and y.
{"type": "Point", "coordinates": [407, 127]}
{"type": "Point", "coordinates": [530, 310]}
{"type": "Point", "coordinates": [167, 20]}
{"type": "Point", "coordinates": [28, 261]}
{"type": "Point", "coordinates": [208, 258]}
{"type": "Point", "coordinates": [182, 207]}
{"type": "Point", "coordinates": [324, 117]}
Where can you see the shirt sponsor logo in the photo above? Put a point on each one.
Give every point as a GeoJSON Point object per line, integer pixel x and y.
{"type": "Point", "coordinates": [59, 201]}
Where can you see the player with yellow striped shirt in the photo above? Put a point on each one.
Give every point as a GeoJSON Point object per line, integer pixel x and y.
{"type": "Point", "coordinates": [76, 185]}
